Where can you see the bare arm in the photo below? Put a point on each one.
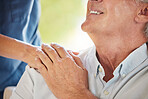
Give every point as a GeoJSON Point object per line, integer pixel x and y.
{"type": "Point", "coordinates": [15, 49]}
{"type": "Point", "coordinates": [85, 94]}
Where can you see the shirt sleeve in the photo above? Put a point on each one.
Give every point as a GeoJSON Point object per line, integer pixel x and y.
{"type": "Point", "coordinates": [24, 89]}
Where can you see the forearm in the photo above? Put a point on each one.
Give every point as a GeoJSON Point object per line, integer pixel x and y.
{"type": "Point", "coordinates": [86, 94]}
{"type": "Point", "coordinates": [89, 95]}
{"type": "Point", "coordinates": [12, 48]}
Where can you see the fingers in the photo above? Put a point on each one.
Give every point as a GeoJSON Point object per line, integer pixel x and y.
{"type": "Point", "coordinates": [60, 50]}
{"type": "Point", "coordinates": [75, 53]}
{"type": "Point", "coordinates": [44, 59]}
{"type": "Point", "coordinates": [55, 53]}
{"type": "Point", "coordinates": [36, 63]}
{"type": "Point", "coordinates": [77, 60]}
{"type": "Point", "coordinates": [38, 66]}
{"type": "Point", "coordinates": [51, 52]}
{"type": "Point", "coordinates": [41, 67]}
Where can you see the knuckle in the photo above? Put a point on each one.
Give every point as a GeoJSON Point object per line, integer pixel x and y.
{"type": "Point", "coordinates": [58, 63]}
{"type": "Point", "coordinates": [53, 44]}
{"type": "Point", "coordinates": [60, 48]}
{"type": "Point", "coordinates": [47, 47]}
{"type": "Point", "coordinates": [38, 51]}
{"type": "Point", "coordinates": [68, 59]}
{"type": "Point", "coordinates": [50, 50]}
{"type": "Point", "coordinates": [44, 58]}
{"type": "Point", "coordinates": [40, 68]}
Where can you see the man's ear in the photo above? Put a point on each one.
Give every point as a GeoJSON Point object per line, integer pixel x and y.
{"type": "Point", "coordinates": [142, 15]}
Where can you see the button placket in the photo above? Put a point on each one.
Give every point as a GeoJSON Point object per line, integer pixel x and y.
{"type": "Point", "coordinates": [95, 75]}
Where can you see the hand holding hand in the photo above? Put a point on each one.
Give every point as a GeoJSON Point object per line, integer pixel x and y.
{"type": "Point", "coordinates": [64, 74]}
{"type": "Point", "coordinates": [31, 56]}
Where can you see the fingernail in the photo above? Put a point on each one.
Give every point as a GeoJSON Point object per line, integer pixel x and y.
{"type": "Point", "coordinates": [43, 44]}
{"type": "Point", "coordinates": [53, 43]}
{"type": "Point", "coordinates": [71, 53]}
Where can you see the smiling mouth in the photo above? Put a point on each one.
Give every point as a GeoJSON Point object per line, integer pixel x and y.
{"type": "Point", "coordinates": [96, 12]}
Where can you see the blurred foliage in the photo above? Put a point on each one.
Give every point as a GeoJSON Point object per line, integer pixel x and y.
{"type": "Point", "coordinates": [58, 19]}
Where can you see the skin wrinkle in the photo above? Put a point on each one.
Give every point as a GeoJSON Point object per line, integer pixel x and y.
{"type": "Point", "coordinates": [110, 31]}
{"type": "Point", "coordinates": [146, 1]}
{"type": "Point", "coordinates": [115, 35]}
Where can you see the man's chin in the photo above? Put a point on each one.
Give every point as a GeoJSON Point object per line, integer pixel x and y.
{"type": "Point", "coordinates": [85, 27]}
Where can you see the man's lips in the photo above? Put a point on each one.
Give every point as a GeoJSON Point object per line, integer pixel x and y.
{"type": "Point", "coordinates": [95, 12]}
{"type": "Point", "coordinates": [95, 7]}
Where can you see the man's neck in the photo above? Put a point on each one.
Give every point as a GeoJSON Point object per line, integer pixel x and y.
{"type": "Point", "coordinates": [112, 51]}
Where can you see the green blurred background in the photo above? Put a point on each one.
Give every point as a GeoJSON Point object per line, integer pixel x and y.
{"type": "Point", "coordinates": [59, 18]}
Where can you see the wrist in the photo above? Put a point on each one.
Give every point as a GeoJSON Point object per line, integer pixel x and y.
{"type": "Point", "coordinates": [83, 94]}
{"type": "Point", "coordinates": [29, 51]}
{"type": "Point", "coordinates": [87, 95]}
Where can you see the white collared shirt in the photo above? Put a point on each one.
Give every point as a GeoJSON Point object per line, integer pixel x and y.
{"type": "Point", "coordinates": [96, 72]}
{"type": "Point", "coordinates": [130, 79]}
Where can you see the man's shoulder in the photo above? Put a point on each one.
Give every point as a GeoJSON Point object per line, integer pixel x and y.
{"type": "Point", "coordinates": [85, 52]}
{"type": "Point", "coordinates": [33, 74]}
{"type": "Point", "coordinates": [30, 70]}
{"type": "Point", "coordinates": [135, 84]}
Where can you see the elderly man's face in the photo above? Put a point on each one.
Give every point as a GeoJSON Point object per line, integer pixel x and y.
{"type": "Point", "coordinates": [106, 16]}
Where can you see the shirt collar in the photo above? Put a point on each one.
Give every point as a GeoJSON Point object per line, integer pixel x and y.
{"type": "Point", "coordinates": [130, 63]}
{"type": "Point", "coordinates": [91, 60]}
{"type": "Point", "coordinates": [134, 59]}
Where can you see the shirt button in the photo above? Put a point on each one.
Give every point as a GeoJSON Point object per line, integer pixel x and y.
{"type": "Point", "coordinates": [106, 92]}
{"type": "Point", "coordinates": [95, 75]}
{"type": "Point", "coordinates": [100, 70]}
{"type": "Point", "coordinates": [123, 75]}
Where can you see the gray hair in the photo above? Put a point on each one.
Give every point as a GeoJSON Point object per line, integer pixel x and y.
{"type": "Point", "coordinates": [145, 1]}
{"type": "Point", "coordinates": [146, 26]}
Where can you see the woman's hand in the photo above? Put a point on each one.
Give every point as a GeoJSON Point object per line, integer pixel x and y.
{"type": "Point", "coordinates": [31, 57]}
{"type": "Point", "coordinates": [63, 72]}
